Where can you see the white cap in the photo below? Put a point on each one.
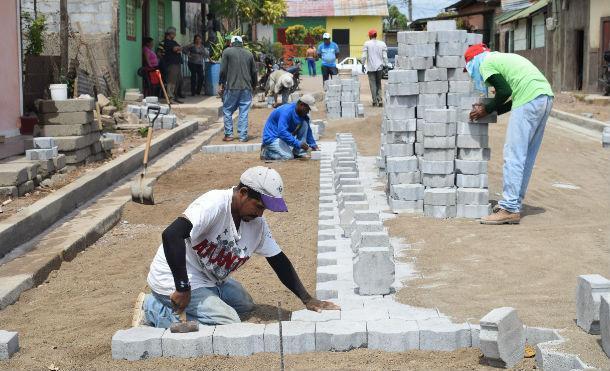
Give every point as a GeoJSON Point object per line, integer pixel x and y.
{"type": "Point", "coordinates": [309, 100]}
{"type": "Point", "coordinates": [326, 35]}
{"type": "Point", "coordinates": [286, 80]}
{"type": "Point", "coordinates": [269, 184]}
{"type": "Point", "coordinates": [236, 39]}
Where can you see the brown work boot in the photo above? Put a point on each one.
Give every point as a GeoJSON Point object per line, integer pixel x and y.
{"type": "Point", "coordinates": [227, 138]}
{"type": "Point", "coordinates": [501, 217]}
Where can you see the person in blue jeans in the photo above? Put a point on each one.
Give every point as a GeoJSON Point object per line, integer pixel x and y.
{"type": "Point", "coordinates": [311, 55]}
{"type": "Point", "coordinates": [328, 51]}
{"type": "Point", "coordinates": [523, 89]}
{"type": "Point", "coordinates": [238, 78]}
{"type": "Point", "coordinates": [287, 134]}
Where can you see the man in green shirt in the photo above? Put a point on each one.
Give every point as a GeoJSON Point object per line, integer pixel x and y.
{"type": "Point", "coordinates": [522, 88]}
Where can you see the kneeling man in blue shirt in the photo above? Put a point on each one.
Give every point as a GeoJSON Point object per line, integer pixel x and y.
{"type": "Point", "coordinates": [287, 134]}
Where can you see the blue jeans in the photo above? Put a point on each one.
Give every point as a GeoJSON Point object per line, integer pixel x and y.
{"type": "Point", "coordinates": [523, 140]}
{"type": "Point", "coordinates": [311, 66]}
{"type": "Point", "coordinates": [218, 305]}
{"type": "Point", "coordinates": [280, 150]}
{"type": "Point", "coordinates": [232, 100]}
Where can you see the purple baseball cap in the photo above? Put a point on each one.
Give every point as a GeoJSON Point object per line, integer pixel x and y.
{"type": "Point", "coordinates": [268, 183]}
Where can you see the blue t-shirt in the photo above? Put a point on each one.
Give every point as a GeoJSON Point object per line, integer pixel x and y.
{"type": "Point", "coordinates": [282, 122]}
{"type": "Point", "coordinates": [328, 53]}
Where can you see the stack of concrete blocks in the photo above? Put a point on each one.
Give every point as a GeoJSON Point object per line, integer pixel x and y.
{"type": "Point", "coordinates": [342, 98]}
{"type": "Point", "coordinates": [165, 120]}
{"type": "Point", "coordinates": [332, 98]}
{"type": "Point", "coordinates": [72, 126]}
{"type": "Point", "coordinates": [502, 337]}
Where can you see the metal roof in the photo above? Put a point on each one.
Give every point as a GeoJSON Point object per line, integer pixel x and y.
{"type": "Point", "coordinates": [524, 13]}
{"type": "Point", "coordinates": [336, 8]}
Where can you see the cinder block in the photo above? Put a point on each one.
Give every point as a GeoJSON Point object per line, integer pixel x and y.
{"type": "Point", "coordinates": [589, 289]}
{"type": "Point", "coordinates": [339, 336]}
{"type": "Point", "coordinates": [435, 115]}
{"type": "Point", "coordinates": [437, 167]}
{"type": "Point", "coordinates": [297, 337]}
{"type": "Point", "coordinates": [453, 99]}
{"type": "Point", "coordinates": [239, 339]}
{"type": "Point", "coordinates": [438, 180]}
{"type": "Point", "coordinates": [414, 63]}
{"type": "Point", "coordinates": [400, 137]}
{"type": "Point", "coordinates": [66, 118]}
{"type": "Point", "coordinates": [604, 323]}
{"type": "Point", "coordinates": [473, 211]}
{"type": "Point", "coordinates": [44, 143]}
{"type": "Point", "coordinates": [450, 61]}
{"type": "Point", "coordinates": [365, 314]}
{"type": "Point", "coordinates": [450, 48]}
{"type": "Point", "coordinates": [402, 76]}
{"type": "Point", "coordinates": [474, 154]}
{"type": "Point", "coordinates": [439, 197]}
{"type": "Point", "coordinates": [372, 239]}
{"type": "Point", "coordinates": [419, 50]}
{"type": "Point", "coordinates": [470, 167]}
{"type": "Point", "coordinates": [9, 344]}
{"type": "Point", "coordinates": [399, 149]}
{"type": "Point", "coordinates": [432, 100]}
{"type": "Point", "coordinates": [358, 227]}
{"type": "Point", "coordinates": [457, 36]}
{"type": "Point", "coordinates": [401, 206]}
{"type": "Point", "coordinates": [439, 154]}
{"type": "Point", "coordinates": [305, 315]}
{"type": "Point", "coordinates": [393, 335]}
{"type": "Point", "coordinates": [439, 335]}
{"type": "Point", "coordinates": [433, 87]}
{"type": "Point", "coordinates": [188, 345]}
{"type": "Point", "coordinates": [407, 192]}
{"type": "Point", "coordinates": [419, 148]}
{"type": "Point", "coordinates": [442, 25]}
{"type": "Point", "coordinates": [401, 125]}
{"type": "Point", "coordinates": [440, 212]}
{"type": "Point", "coordinates": [41, 154]}
{"type": "Point", "coordinates": [400, 113]}
{"type": "Point", "coordinates": [460, 86]}
{"type": "Point", "coordinates": [465, 128]}
{"type": "Point", "coordinates": [68, 105]}
{"type": "Point", "coordinates": [457, 74]}
{"type": "Point", "coordinates": [403, 89]}
{"type": "Point", "coordinates": [401, 164]}
{"type": "Point", "coordinates": [404, 178]}
{"type": "Point", "coordinates": [502, 337]}
{"type": "Point", "coordinates": [439, 142]}
{"type": "Point", "coordinates": [433, 74]}
{"type": "Point", "coordinates": [473, 141]}
{"type": "Point", "coordinates": [401, 100]}
{"type": "Point", "coordinates": [416, 37]}
{"type": "Point", "coordinates": [471, 181]}
{"type": "Point", "coordinates": [137, 343]}
{"type": "Point", "coordinates": [472, 196]}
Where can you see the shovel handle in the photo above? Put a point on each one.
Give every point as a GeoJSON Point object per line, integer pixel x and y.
{"type": "Point", "coordinates": [182, 316]}
{"type": "Point", "coordinates": [147, 148]}
{"type": "Point", "coordinates": [163, 88]}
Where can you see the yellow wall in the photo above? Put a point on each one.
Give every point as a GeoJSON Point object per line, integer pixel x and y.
{"type": "Point", "coordinates": [359, 27]}
{"type": "Point", "coordinates": [599, 9]}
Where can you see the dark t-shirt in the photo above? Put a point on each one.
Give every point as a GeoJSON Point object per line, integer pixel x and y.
{"type": "Point", "coordinates": [170, 56]}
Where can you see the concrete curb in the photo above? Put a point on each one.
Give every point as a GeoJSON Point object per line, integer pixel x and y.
{"type": "Point", "coordinates": [230, 148]}
{"type": "Point", "coordinates": [75, 235]}
{"type": "Point", "coordinates": [34, 219]}
{"type": "Point", "coordinates": [579, 120]}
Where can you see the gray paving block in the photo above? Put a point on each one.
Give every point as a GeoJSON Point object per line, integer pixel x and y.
{"type": "Point", "coordinates": [454, 36]}
{"type": "Point", "coordinates": [401, 125]}
{"type": "Point", "coordinates": [402, 76]}
{"type": "Point", "coordinates": [474, 38]}
{"type": "Point", "coordinates": [432, 74]}
{"type": "Point", "coordinates": [460, 87]}
{"type": "Point", "coordinates": [401, 164]}
{"type": "Point", "coordinates": [305, 315]}
{"type": "Point", "coordinates": [365, 314]}
{"type": "Point", "coordinates": [68, 105]}
{"type": "Point", "coordinates": [41, 154]}
{"type": "Point", "coordinates": [407, 192]}
{"type": "Point", "coordinates": [359, 227]}
{"type": "Point", "coordinates": [439, 129]}
{"type": "Point", "coordinates": [404, 178]}
{"type": "Point", "coordinates": [438, 180]}
{"type": "Point", "coordinates": [401, 100]}
{"type": "Point", "coordinates": [327, 234]}
{"type": "Point", "coordinates": [340, 336]}
{"type": "Point", "coordinates": [327, 273]}
{"type": "Point", "coordinates": [413, 63]}
{"type": "Point", "coordinates": [472, 196]}
{"type": "Point", "coordinates": [44, 143]}
{"type": "Point", "coordinates": [475, 335]}
{"type": "Point", "coordinates": [474, 154]}
{"type": "Point", "coordinates": [457, 74]}
{"type": "Point", "coordinates": [137, 343]}
{"type": "Point", "coordinates": [502, 337]}
{"type": "Point", "coordinates": [400, 137]}
{"type": "Point", "coordinates": [439, 197]}
{"type": "Point", "coordinates": [437, 167]}
{"type": "Point", "coordinates": [66, 118]}
{"type": "Point", "coordinates": [373, 239]}
{"type": "Point", "coordinates": [589, 289]}
{"type": "Point", "coordinates": [401, 206]}
{"type": "Point", "coordinates": [549, 358]}
{"type": "Point", "coordinates": [433, 87]}
{"type": "Point", "coordinates": [439, 142]}
{"type": "Point", "coordinates": [606, 137]}
{"type": "Point", "coordinates": [440, 212]}
{"type": "Point", "coordinates": [472, 141]}
{"type": "Point", "coordinates": [327, 246]}
{"type": "Point", "coordinates": [471, 181]}
{"type": "Point", "coordinates": [399, 149]}
{"type": "Point", "coordinates": [439, 335]}
{"type": "Point", "coordinates": [188, 345]}
{"type": "Point", "coordinates": [416, 37]}
{"type": "Point", "coordinates": [604, 322]}
{"type": "Point", "coordinates": [450, 61]}
{"type": "Point", "coordinates": [470, 167]}
{"type": "Point", "coordinates": [297, 337]}
{"type": "Point", "coordinates": [440, 115]}
{"type": "Point", "coordinates": [401, 113]}
{"type": "Point", "coordinates": [450, 48]}
{"type": "Point", "coordinates": [374, 270]}
{"type": "Point", "coordinates": [12, 174]}
{"type": "Point", "coordinates": [442, 25]}
{"type": "Point", "coordinates": [419, 50]}
{"type": "Point", "coordinates": [465, 128]}
{"type": "Point", "coordinates": [239, 339]}
{"type": "Point", "coordinates": [74, 143]}
{"type": "Point", "coordinates": [393, 335]}
{"type": "Point", "coordinates": [419, 148]}
{"type": "Point", "coordinates": [403, 89]}
{"type": "Point", "coordinates": [432, 100]}
{"type": "Point", "coordinates": [9, 344]}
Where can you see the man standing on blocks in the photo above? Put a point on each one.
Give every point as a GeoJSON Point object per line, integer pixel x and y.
{"type": "Point", "coordinates": [375, 58]}
{"type": "Point", "coordinates": [328, 51]}
{"type": "Point", "coordinates": [237, 82]}
{"type": "Point", "coordinates": [287, 134]}
{"type": "Point", "coordinates": [522, 88]}
{"type": "Point", "coordinates": [215, 236]}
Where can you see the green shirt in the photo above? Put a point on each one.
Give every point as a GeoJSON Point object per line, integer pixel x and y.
{"type": "Point", "coordinates": [524, 79]}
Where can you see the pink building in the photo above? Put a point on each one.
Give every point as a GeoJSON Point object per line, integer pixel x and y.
{"type": "Point", "coordinates": [11, 142]}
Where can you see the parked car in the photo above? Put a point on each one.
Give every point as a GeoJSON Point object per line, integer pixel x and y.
{"type": "Point", "coordinates": [392, 52]}
{"type": "Point", "coordinates": [353, 64]}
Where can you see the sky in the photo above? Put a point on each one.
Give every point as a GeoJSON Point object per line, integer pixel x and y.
{"type": "Point", "coordinates": [422, 8]}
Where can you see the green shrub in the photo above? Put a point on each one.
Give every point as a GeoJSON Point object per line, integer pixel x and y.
{"type": "Point", "coordinates": [296, 34]}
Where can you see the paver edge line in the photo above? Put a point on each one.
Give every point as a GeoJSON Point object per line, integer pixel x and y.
{"type": "Point", "coordinates": [579, 120]}
{"type": "Point", "coordinates": [55, 261]}
{"type": "Point", "coordinates": [32, 217]}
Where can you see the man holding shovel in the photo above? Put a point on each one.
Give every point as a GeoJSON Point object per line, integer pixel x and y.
{"type": "Point", "coordinates": [215, 236]}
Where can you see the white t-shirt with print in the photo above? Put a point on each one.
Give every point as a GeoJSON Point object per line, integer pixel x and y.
{"type": "Point", "coordinates": [215, 247]}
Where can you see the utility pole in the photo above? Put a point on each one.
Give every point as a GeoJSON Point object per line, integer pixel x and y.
{"type": "Point", "coordinates": [410, 9]}
{"type": "Point", "coordinates": [63, 36]}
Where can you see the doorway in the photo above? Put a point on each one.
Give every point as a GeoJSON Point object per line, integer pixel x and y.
{"type": "Point", "coordinates": [341, 38]}
{"type": "Point", "coordinates": [580, 57]}
{"type": "Point", "coordinates": [145, 19]}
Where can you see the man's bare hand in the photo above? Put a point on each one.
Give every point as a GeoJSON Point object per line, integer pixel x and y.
{"type": "Point", "coordinates": [221, 90]}
{"type": "Point", "coordinates": [478, 111]}
{"type": "Point", "coordinates": [315, 148]}
{"type": "Point", "coordinates": [304, 146]}
{"type": "Point", "coordinates": [318, 305]}
{"type": "Point", "coordinates": [180, 300]}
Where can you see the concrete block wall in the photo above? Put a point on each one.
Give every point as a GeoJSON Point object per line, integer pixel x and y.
{"type": "Point", "coordinates": [434, 157]}
{"type": "Point", "coordinates": [342, 97]}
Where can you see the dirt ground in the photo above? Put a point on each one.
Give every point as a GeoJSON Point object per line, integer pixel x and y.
{"type": "Point", "coordinates": [468, 269]}
{"type": "Point", "coordinates": [568, 103]}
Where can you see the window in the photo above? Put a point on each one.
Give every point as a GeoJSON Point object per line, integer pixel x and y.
{"type": "Point", "coordinates": [538, 26]}
{"type": "Point", "coordinates": [130, 19]}
{"type": "Point", "coordinates": [161, 19]}
{"type": "Point", "coordinates": [520, 35]}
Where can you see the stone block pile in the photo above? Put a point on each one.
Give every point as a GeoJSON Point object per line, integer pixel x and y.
{"type": "Point", "coordinates": [342, 98]}
{"type": "Point", "coordinates": [165, 120]}
{"type": "Point", "coordinates": [435, 158]}
{"type": "Point", "coordinates": [72, 126]}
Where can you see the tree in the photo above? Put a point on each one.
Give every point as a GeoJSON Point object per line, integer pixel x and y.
{"type": "Point", "coordinates": [295, 34]}
{"type": "Point", "coordinates": [395, 20]}
{"type": "Point", "coordinates": [316, 33]}
{"type": "Point", "coordinates": [256, 11]}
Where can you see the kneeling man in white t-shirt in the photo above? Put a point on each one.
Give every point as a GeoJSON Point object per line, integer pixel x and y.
{"type": "Point", "coordinates": [216, 235]}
